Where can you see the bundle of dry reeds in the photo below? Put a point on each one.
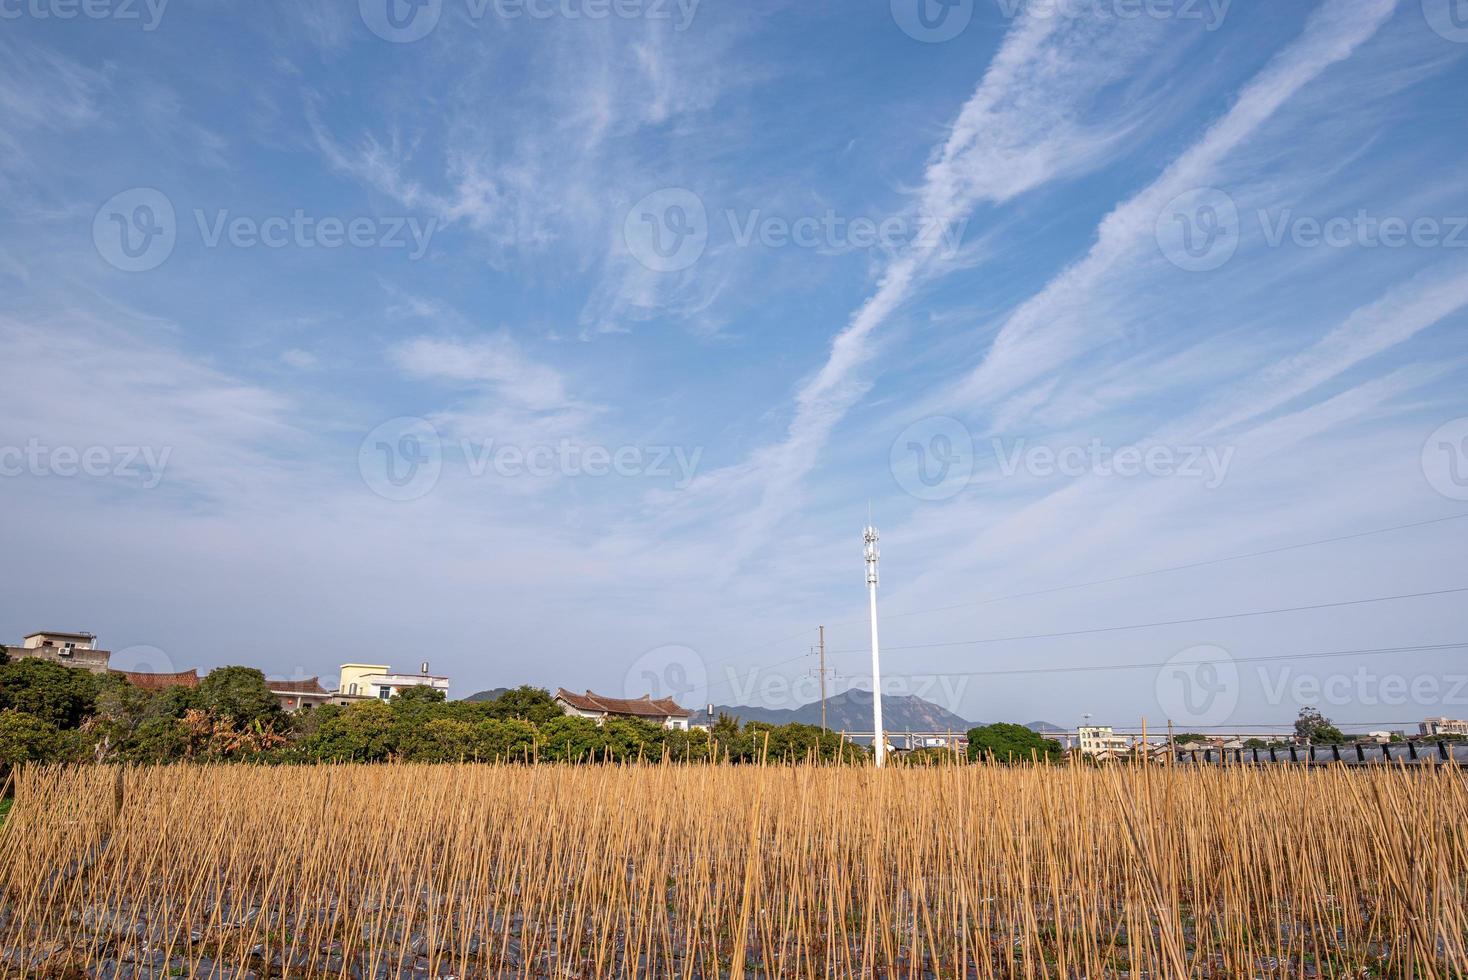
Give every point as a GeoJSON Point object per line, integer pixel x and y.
{"type": "Point", "coordinates": [710, 871]}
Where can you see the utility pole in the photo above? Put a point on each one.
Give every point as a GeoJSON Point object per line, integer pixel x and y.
{"type": "Point", "coordinates": [823, 678]}
{"type": "Point", "coordinates": [869, 536]}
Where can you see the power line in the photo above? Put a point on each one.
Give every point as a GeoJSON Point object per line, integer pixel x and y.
{"type": "Point", "coordinates": [1087, 668]}
{"type": "Point", "coordinates": [1170, 568]}
{"type": "Point", "coordinates": [1171, 622]}
{"type": "Point", "coordinates": [726, 662]}
{"type": "Point", "coordinates": [1081, 585]}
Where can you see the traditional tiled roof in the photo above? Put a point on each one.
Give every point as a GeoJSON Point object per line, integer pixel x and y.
{"type": "Point", "coordinates": [312, 685]}
{"type": "Point", "coordinates": [160, 682]}
{"type": "Point", "coordinates": [643, 707]}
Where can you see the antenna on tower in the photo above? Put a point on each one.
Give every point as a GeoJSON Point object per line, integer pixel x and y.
{"type": "Point", "coordinates": [869, 538]}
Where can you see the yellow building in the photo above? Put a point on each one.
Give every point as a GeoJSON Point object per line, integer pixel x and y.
{"type": "Point", "coordinates": [378, 681]}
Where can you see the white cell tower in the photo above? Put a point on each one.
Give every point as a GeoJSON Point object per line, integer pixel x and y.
{"type": "Point", "coordinates": [879, 737]}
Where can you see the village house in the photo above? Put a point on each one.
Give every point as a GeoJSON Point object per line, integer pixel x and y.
{"type": "Point", "coordinates": [298, 695]}
{"type": "Point", "coordinates": [70, 649]}
{"type": "Point", "coordinates": [599, 707]}
{"type": "Point", "coordinates": [361, 681]}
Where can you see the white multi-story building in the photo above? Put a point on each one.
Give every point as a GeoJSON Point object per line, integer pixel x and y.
{"type": "Point", "coordinates": [70, 649]}
{"type": "Point", "coordinates": [1101, 742]}
{"type": "Point", "coordinates": [360, 681]}
{"type": "Point", "coordinates": [1434, 727]}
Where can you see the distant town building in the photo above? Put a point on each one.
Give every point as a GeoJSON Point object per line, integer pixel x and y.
{"type": "Point", "coordinates": [297, 695]}
{"type": "Point", "coordinates": [159, 682]}
{"type": "Point", "coordinates": [71, 649]}
{"type": "Point", "coordinates": [599, 707]}
{"type": "Point", "coordinates": [1436, 727]}
{"type": "Point", "coordinates": [359, 681]}
{"type": "Point", "coordinates": [1101, 742]}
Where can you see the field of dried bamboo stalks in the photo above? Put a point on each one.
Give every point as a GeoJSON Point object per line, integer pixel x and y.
{"type": "Point", "coordinates": [707, 871]}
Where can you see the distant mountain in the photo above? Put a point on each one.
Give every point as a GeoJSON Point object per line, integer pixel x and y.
{"type": "Point", "coordinates": [1044, 728]}
{"type": "Point", "coordinates": [851, 711]}
{"type": "Point", "coordinates": [488, 695]}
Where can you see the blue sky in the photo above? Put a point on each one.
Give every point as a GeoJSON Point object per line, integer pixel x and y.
{"type": "Point", "coordinates": [570, 344]}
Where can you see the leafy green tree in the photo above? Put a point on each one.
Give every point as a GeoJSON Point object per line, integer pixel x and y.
{"type": "Point", "coordinates": [524, 703]}
{"type": "Point", "coordinates": [60, 696]}
{"type": "Point", "coordinates": [439, 740]}
{"type": "Point", "coordinates": [163, 739]}
{"type": "Point", "coordinates": [1008, 744]}
{"type": "Point", "coordinates": [504, 740]}
{"type": "Point", "coordinates": [4, 655]}
{"type": "Point", "coordinates": [420, 694]}
{"type": "Point", "coordinates": [627, 739]}
{"type": "Point", "coordinates": [240, 696]}
{"type": "Point", "coordinates": [1315, 728]}
{"type": "Point", "coordinates": [571, 739]}
{"type": "Point", "coordinates": [1189, 737]}
{"type": "Point", "coordinates": [790, 743]}
{"type": "Point", "coordinates": [362, 732]}
{"type": "Point", "coordinates": [26, 738]}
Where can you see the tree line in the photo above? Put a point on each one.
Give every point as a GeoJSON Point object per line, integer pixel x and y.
{"type": "Point", "coordinates": [53, 713]}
